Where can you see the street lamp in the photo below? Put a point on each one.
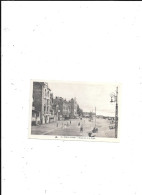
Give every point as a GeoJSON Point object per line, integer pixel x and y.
{"type": "Point", "coordinates": [114, 98]}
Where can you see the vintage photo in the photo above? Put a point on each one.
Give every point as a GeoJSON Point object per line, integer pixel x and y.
{"type": "Point", "coordinates": [74, 110]}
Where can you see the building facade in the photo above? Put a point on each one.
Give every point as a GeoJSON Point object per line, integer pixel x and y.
{"type": "Point", "coordinates": [61, 108]}
{"type": "Point", "coordinates": [35, 115]}
{"type": "Point", "coordinates": [58, 107]}
{"type": "Point", "coordinates": [65, 109]}
{"type": "Point", "coordinates": [73, 103]}
{"type": "Point", "coordinates": [47, 109]}
{"type": "Point", "coordinates": [52, 115]}
{"type": "Point", "coordinates": [42, 101]}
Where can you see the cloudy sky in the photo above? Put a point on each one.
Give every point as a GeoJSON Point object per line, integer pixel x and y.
{"type": "Point", "coordinates": [87, 95]}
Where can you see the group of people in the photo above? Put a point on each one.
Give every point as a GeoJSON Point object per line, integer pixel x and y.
{"type": "Point", "coordinates": [66, 124]}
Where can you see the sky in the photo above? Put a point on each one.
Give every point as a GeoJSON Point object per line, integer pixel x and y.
{"type": "Point", "coordinates": [88, 95]}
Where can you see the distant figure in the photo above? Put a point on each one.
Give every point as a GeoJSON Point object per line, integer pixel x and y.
{"type": "Point", "coordinates": [95, 130]}
{"type": "Point", "coordinates": [81, 128]}
{"type": "Point", "coordinates": [79, 124]}
{"type": "Point", "coordinates": [70, 122]}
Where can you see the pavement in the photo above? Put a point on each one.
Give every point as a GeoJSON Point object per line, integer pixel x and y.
{"type": "Point", "coordinates": [64, 128]}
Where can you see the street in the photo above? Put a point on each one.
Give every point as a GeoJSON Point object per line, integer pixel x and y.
{"type": "Point", "coordinates": [64, 128]}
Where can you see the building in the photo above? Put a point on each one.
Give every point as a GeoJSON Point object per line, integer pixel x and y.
{"type": "Point", "coordinates": [86, 114]}
{"type": "Point", "coordinates": [64, 109]}
{"type": "Point", "coordinates": [47, 109]}
{"type": "Point", "coordinates": [35, 115]}
{"type": "Point", "coordinates": [74, 105]}
{"type": "Point", "coordinates": [58, 108]}
{"type": "Point", "coordinates": [42, 101]}
{"type": "Point", "coordinates": [51, 116]}
{"type": "Point", "coordinates": [61, 108]}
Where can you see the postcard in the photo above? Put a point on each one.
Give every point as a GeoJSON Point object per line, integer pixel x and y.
{"type": "Point", "coordinates": [74, 111]}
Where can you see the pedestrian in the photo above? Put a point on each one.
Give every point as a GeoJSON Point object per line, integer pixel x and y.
{"type": "Point", "coordinates": [70, 122]}
{"type": "Point", "coordinates": [79, 124]}
{"type": "Point", "coordinates": [81, 128]}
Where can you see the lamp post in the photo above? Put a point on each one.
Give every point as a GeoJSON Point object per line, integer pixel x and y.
{"type": "Point", "coordinates": [114, 98]}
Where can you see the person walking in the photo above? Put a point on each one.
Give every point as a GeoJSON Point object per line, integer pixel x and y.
{"type": "Point", "coordinates": [81, 129]}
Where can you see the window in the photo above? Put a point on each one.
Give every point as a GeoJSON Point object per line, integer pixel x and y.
{"type": "Point", "coordinates": [45, 93]}
{"type": "Point", "coordinates": [44, 108]}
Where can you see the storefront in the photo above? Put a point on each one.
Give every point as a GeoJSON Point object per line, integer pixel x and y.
{"type": "Point", "coordinates": [35, 117]}
{"type": "Point", "coordinates": [45, 119]}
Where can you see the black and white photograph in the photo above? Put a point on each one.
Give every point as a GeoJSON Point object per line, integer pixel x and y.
{"type": "Point", "coordinates": [75, 110]}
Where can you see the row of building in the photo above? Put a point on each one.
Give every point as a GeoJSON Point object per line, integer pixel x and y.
{"type": "Point", "coordinates": [47, 109]}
